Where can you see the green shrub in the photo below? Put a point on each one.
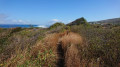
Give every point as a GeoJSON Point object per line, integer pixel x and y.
{"type": "Point", "coordinates": [44, 58]}
{"type": "Point", "coordinates": [57, 24]}
{"type": "Point", "coordinates": [102, 44]}
{"type": "Point", "coordinates": [18, 39]}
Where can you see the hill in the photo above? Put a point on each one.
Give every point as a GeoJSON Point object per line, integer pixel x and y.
{"type": "Point", "coordinates": [111, 21]}
{"type": "Point", "coordinates": [79, 21]}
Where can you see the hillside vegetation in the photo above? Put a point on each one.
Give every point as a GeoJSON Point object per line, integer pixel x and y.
{"type": "Point", "coordinates": [77, 44]}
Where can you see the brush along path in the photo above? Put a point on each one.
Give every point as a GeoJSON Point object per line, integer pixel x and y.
{"type": "Point", "coordinates": [66, 45]}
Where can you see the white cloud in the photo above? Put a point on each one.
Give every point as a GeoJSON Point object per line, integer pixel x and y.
{"type": "Point", "coordinates": [69, 21]}
{"type": "Point", "coordinates": [3, 16]}
{"type": "Point", "coordinates": [57, 20]}
{"type": "Point", "coordinates": [20, 21]}
{"type": "Point", "coordinates": [42, 26]}
{"type": "Point", "coordinates": [14, 20]}
{"type": "Point", "coordinates": [4, 20]}
{"type": "Point", "coordinates": [53, 21]}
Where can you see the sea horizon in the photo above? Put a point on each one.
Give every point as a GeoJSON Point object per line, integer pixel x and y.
{"type": "Point", "coordinates": [21, 25]}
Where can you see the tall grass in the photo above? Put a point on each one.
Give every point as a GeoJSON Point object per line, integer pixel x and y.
{"type": "Point", "coordinates": [83, 46]}
{"type": "Point", "coordinates": [17, 41]}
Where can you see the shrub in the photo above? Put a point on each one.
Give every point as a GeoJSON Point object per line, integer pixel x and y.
{"type": "Point", "coordinates": [34, 56]}
{"type": "Point", "coordinates": [17, 41]}
{"type": "Point", "coordinates": [56, 25]}
{"type": "Point", "coordinates": [102, 44]}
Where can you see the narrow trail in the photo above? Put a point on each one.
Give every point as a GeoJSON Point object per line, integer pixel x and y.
{"type": "Point", "coordinates": [68, 58]}
{"type": "Point", "coordinates": [61, 59]}
{"type": "Point", "coordinates": [68, 54]}
{"type": "Point", "coordinates": [66, 47]}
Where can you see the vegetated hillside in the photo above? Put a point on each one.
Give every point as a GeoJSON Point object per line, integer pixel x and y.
{"type": "Point", "coordinates": [78, 22]}
{"type": "Point", "coordinates": [114, 21]}
{"type": "Point", "coordinates": [79, 44]}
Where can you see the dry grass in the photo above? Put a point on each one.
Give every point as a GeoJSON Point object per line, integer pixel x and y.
{"type": "Point", "coordinates": [39, 54]}
{"type": "Point", "coordinates": [66, 38]}
{"type": "Point", "coordinates": [72, 57]}
{"type": "Point", "coordinates": [35, 49]}
{"type": "Point", "coordinates": [40, 50]}
{"type": "Point", "coordinates": [51, 39]}
{"type": "Point", "coordinates": [70, 38]}
{"type": "Point", "coordinates": [69, 42]}
{"type": "Point", "coordinates": [23, 48]}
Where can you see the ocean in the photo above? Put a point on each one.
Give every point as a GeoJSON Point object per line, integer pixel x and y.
{"type": "Point", "coordinates": [16, 25]}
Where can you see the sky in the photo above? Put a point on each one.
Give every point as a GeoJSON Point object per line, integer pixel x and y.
{"type": "Point", "coordinates": [45, 12]}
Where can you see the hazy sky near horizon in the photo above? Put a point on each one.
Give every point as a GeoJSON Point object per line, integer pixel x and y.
{"type": "Point", "coordinates": [45, 12]}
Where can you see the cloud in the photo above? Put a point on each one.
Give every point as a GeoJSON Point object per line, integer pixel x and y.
{"type": "Point", "coordinates": [69, 21]}
{"type": "Point", "coordinates": [3, 16]}
{"type": "Point", "coordinates": [57, 20]}
{"type": "Point", "coordinates": [53, 21]}
{"type": "Point", "coordinates": [4, 20]}
{"type": "Point", "coordinates": [42, 26]}
{"type": "Point", "coordinates": [20, 21]}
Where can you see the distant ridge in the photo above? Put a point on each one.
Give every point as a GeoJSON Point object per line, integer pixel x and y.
{"type": "Point", "coordinates": [82, 20]}
{"type": "Point", "coordinates": [111, 21]}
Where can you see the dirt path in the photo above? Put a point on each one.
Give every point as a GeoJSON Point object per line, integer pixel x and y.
{"type": "Point", "coordinates": [61, 59]}
{"type": "Point", "coordinates": [66, 46]}
{"type": "Point", "coordinates": [67, 50]}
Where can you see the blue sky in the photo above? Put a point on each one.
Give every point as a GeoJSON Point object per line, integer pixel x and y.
{"type": "Point", "coordinates": [46, 12]}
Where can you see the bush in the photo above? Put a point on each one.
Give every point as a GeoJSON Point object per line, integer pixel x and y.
{"type": "Point", "coordinates": [14, 41]}
{"type": "Point", "coordinates": [102, 44]}
{"type": "Point", "coordinates": [57, 24]}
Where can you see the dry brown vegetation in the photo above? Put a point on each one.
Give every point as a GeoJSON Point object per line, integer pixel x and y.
{"type": "Point", "coordinates": [83, 46]}
{"type": "Point", "coordinates": [50, 42]}
{"type": "Point", "coordinates": [67, 42]}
